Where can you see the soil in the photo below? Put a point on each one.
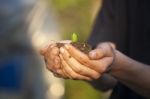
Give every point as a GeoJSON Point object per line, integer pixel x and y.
{"type": "Point", "coordinates": [84, 47]}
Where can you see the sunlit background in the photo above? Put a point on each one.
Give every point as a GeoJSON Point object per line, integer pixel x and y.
{"type": "Point", "coordinates": [65, 17]}
{"type": "Point", "coordinates": [54, 20]}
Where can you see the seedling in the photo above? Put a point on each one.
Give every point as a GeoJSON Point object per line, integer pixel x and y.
{"type": "Point", "coordinates": [74, 37]}
{"type": "Point", "coordinates": [82, 46]}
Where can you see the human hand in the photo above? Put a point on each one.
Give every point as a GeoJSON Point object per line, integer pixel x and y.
{"type": "Point", "coordinates": [52, 59]}
{"type": "Point", "coordinates": [92, 65]}
{"type": "Point", "coordinates": [53, 62]}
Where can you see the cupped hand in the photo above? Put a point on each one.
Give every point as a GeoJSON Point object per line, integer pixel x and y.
{"type": "Point", "coordinates": [90, 66]}
{"type": "Point", "coordinates": [51, 54]}
{"type": "Point", "coordinates": [52, 59]}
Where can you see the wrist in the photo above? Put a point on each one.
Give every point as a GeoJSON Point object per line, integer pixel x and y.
{"type": "Point", "coordinates": [117, 67]}
{"type": "Point", "coordinates": [109, 68]}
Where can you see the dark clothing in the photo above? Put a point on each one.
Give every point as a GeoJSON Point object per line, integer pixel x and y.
{"type": "Point", "coordinates": [127, 24]}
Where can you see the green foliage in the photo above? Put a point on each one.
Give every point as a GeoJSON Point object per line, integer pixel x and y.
{"type": "Point", "coordinates": [81, 90]}
{"type": "Point", "coordinates": [74, 15]}
{"type": "Point", "coordinates": [63, 5]}
{"type": "Point", "coordinates": [74, 37]}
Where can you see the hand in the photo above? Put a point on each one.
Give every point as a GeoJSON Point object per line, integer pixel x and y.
{"type": "Point", "coordinates": [92, 65]}
{"type": "Point", "coordinates": [52, 60]}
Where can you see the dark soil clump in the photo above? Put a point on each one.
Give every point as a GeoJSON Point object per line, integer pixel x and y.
{"type": "Point", "coordinates": [84, 47]}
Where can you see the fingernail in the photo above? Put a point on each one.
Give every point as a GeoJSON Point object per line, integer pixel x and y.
{"type": "Point", "coordinates": [62, 50]}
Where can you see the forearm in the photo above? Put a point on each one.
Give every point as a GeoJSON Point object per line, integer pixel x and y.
{"type": "Point", "coordinates": [105, 83]}
{"type": "Point", "coordinates": [133, 74]}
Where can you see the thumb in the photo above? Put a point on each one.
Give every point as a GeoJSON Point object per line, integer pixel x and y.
{"type": "Point", "coordinates": [96, 54]}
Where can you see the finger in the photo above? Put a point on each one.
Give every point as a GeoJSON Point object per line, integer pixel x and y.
{"type": "Point", "coordinates": [52, 57]}
{"type": "Point", "coordinates": [57, 63]}
{"type": "Point", "coordinates": [50, 66]}
{"type": "Point", "coordinates": [77, 67]}
{"type": "Point", "coordinates": [64, 72]}
{"type": "Point", "coordinates": [81, 57]}
{"type": "Point", "coordinates": [57, 73]}
{"type": "Point", "coordinates": [107, 47]}
{"type": "Point", "coordinates": [113, 45]}
{"type": "Point", "coordinates": [53, 64]}
{"type": "Point", "coordinates": [102, 64]}
{"type": "Point", "coordinates": [78, 55]}
{"type": "Point", "coordinates": [54, 52]}
{"type": "Point", "coordinates": [97, 53]}
{"type": "Point", "coordinates": [65, 41]}
{"type": "Point", "coordinates": [61, 73]}
{"type": "Point", "coordinates": [43, 50]}
{"type": "Point", "coordinates": [73, 74]}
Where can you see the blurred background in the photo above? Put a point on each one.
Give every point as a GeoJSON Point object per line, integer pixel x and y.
{"type": "Point", "coordinates": [28, 25]}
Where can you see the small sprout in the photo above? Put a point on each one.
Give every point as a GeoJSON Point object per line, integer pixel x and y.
{"type": "Point", "coordinates": [74, 37]}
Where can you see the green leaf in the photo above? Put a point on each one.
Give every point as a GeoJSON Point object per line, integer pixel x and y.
{"type": "Point", "coordinates": [74, 37]}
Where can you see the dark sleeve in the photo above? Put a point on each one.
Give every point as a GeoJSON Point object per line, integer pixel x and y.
{"type": "Point", "coordinates": [110, 24]}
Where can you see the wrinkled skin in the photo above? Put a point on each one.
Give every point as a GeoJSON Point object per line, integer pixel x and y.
{"type": "Point", "coordinates": [69, 62]}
